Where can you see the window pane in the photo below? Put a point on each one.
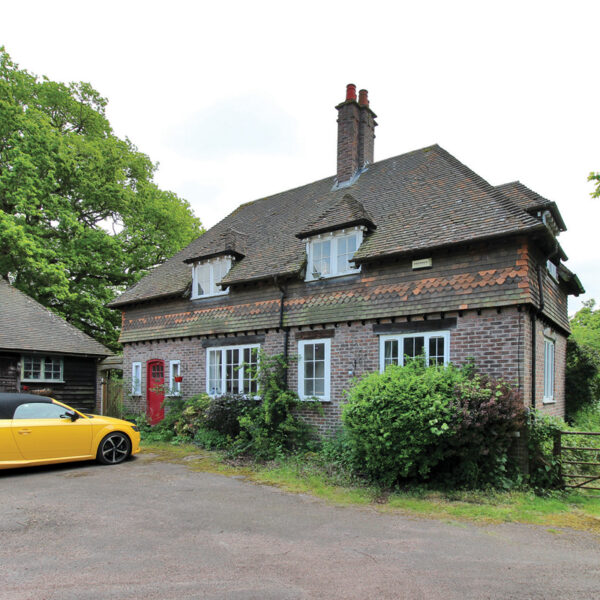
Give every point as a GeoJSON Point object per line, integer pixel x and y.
{"type": "Point", "coordinates": [390, 352]}
{"type": "Point", "coordinates": [232, 384]}
{"type": "Point", "coordinates": [32, 368]}
{"type": "Point", "coordinates": [214, 372]}
{"type": "Point", "coordinates": [414, 346]}
{"type": "Point", "coordinates": [309, 389]}
{"type": "Point", "coordinates": [436, 351]}
{"type": "Point", "coordinates": [320, 369]}
{"type": "Point", "coordinates": [203, 279]}
{"type": "Point", "coordinates": [309, 352]}
{"type": "Point", "coordinates": [250, 366]}
{"type": "Point", "coordinates": [346, 247]}
{"type": "Point", "coordinates": [38, 410]}
{"type": "Point", "coordinates": [319, 351]}
{"type": "Point", "coordinates": [309, 369]}
{"type": "Point", "coordinates": [321, 258]}
{"type": "Point", "coordinates": [319, 387]}
{"type": "Point", "coordinates": [52, 368]}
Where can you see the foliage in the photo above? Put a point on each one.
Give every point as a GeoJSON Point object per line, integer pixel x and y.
{"type": "Point", "coordinates": [273, 427]}
{"type": "Point", "coordinates": [487, 414]}
{"type": "Point", "coordinates": [80, 216]}
{"type": "Point", "coordinates": [223, 413]}
{"type": "Point", "coordinates": [587, 418]}
{"type": "Point", "coordinates": [583, 359]}
{"type": "Point", "coordinates": [398, 420]}
{"type": "Point", "coordinates": [191, 417]}
{"type": "Point", "coordinates": [544, 468]}
{"type": "Point", "coordinates": [585, 325]}
{"type": "Point", "coordinates": [595, 177]}
{"type": "Point", "coordinates": [582, 377]}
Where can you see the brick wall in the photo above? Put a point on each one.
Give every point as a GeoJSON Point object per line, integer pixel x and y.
{"type": "Point", "coordinates": [498, 340]}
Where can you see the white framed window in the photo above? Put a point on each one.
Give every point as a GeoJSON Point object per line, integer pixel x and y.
{"type": "Point", "coordinates": [232, 370]}
{"type": "Point", "coordinates": [314, 369]}
{"type": "Point", "coordinates": [329, 254]}
{"type": "Point", "coordinates": [136, 379]}
{"type": "Point", "coordinates": [175, 378]}
{"type": "Point", "coordinates": [548, 370]}
{"type": "Point", "coordinates": [206, 276]}
{"type": "Point", "coordinates": [552, 269]}
{"type": "Point", "coordinates": [434, 346]}
{"type": "Point", "coordinates": [41, 368]}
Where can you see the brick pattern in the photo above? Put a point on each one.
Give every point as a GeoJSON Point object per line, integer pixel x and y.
{"type": "Point", "coordinates": [498, 340]}
{"type": "Point", "coordinates": [347, 142]}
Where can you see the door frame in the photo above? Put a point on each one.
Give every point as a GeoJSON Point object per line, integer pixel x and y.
{"type": "Point", "coordinates": [160, 413]}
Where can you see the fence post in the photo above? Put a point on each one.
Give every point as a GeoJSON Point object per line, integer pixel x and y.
{"type": "Point", "coordinates": [557, 453]}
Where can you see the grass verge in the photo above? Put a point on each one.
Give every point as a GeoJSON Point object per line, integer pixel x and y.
{"type": "Point", "coordinates": [577, 510]}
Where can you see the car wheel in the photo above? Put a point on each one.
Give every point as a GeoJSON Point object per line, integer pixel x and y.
{"type": "Point", "coordinates": [114, 448]}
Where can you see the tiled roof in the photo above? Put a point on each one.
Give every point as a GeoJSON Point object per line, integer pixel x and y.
{"type": "Point", "coordinates": [342, 211]}
{"type": "Point", "coordinates": [530, 201]}
{"type": "Point", "coordinates": [417, 201]}
{"type": "Point", "coordinates": [27, 325]}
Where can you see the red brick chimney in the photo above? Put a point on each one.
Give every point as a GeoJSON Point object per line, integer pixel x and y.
{"type": "Point", "coordinates": [356, 134]}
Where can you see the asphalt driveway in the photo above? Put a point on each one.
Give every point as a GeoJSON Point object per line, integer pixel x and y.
{"type": "Point", "coordinates": [154, 530]}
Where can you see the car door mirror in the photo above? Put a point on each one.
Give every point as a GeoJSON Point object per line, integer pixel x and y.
{"type": "Point", "coordinates": [69, 414]}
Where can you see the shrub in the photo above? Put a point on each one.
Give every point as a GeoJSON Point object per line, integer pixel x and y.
{"type": "Point", "coordinates": [544, 468]}
{"type": "Point", "coordinates": [223, 413]}
{"type": "Point", "coordinates": [211, 439]}
{"type": "Point", "coordinates": [396, 420]}
{"type": "Point", "coordinates": [189, 416]}
{"type": "Point", "coordinates": [271, 428]}
{"type": "Point", "coordinates": [486, 416]}
{"type": "Point", "coordinates": [582, 377]}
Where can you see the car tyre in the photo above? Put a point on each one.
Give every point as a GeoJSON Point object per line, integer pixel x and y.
{"type": "Point", "coordinates": [114, 448]}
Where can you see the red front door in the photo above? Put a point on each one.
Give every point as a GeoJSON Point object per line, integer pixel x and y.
{"type": "Point", "coordinates": [155, 370]}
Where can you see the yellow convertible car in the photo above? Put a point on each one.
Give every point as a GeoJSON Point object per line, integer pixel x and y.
{"type": "Point", "coordinates": [36, 430]}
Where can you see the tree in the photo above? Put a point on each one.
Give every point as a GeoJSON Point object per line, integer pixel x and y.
{"type": "Point", "coordinates": [80, 216]}
{"type": "Point", "coordinates": [585, 325]}
{"type": "Point", "coordinates": [595, 177]}
{"type": "Point", "coordinates": [583, 359]}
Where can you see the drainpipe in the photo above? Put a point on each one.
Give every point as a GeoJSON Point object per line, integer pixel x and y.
{"type": "Point", "coordinates": [534, 314]}
{"type": "Point", "coordinates": [286, 330]}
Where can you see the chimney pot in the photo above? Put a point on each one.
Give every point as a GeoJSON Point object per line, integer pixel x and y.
{"type": "Point", "coordinates": [363, 98]}
{"type": "Point", "coordinates": [350, 92]}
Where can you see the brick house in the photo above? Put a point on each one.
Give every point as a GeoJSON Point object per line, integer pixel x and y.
{"type": "Point", "coordinates": [411, 255]}
{"type": "Point", "coordinates": [41, 351]}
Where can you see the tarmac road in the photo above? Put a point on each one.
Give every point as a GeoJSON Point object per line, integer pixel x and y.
{"type": "Point", "coordinates": [154, 530]}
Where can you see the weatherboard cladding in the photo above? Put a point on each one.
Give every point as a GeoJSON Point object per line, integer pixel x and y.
{"type": "Point", "coordinates": [486, 275]}
{"type": "Point", "coordinates": [418, 201]}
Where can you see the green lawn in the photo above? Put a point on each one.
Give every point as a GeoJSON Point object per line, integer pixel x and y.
{"type": "Point", "coordinates": [578, 510]}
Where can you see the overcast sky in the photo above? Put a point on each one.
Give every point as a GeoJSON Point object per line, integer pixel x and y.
{"type": "Point", "coordinates": [235, 100]}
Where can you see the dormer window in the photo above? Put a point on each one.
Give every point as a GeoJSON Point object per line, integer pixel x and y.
{"type": "Point", "coordinates": [206, 276]}
{"type": "Point", "coordinates": [330, 254]}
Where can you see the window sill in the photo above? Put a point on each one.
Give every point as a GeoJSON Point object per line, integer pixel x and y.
{"type": "Point", "coordinates": [315, 399]}
{"type": "Point", "coordinates": [42, 381]}
{"type": "Point", "coordinates": [336, 276]}
{"type": "Point", "coordinates": [209, 295]}
{"type": "Point", "coordinates": [548, 401]}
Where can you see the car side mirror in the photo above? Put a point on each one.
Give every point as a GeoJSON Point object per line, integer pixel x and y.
{"type": "Point", "coordinates": [70, 415]}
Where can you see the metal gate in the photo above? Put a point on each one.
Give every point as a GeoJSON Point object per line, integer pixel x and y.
{"type": "Point", "coordinates": [579, 458]}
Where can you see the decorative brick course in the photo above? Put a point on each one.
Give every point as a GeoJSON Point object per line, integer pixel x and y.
{"type": "Point", "coordinates": [498, 339]}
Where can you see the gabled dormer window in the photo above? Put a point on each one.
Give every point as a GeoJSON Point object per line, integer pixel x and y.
{"type": "Point", "coordinates": [206, 276]}
{"type": "Point", "coordinates": [330, 254]}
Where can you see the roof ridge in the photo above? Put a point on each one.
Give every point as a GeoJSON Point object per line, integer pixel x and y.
{"type": "Point", "coordinates": [509, 205]}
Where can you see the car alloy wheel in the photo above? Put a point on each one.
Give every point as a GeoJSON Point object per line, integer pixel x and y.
{"type": "Point", "coordinates": [114, 448]}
